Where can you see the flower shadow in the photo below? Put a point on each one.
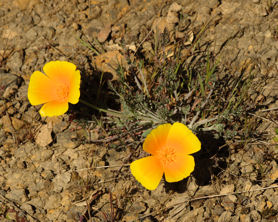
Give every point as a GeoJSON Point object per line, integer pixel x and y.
{"type": "Point", "coordinates": [210, 161]}
{"type": "Point", "coordinates": [95, 90]}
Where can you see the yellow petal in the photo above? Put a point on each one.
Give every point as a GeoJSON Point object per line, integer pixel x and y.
{"type": "Point", "coordinates": [54, 109]}
{"type": "Point", "coordinates": [156, 139]}
{"type": "Point", "coordinates": [74, 93]}
{"type": "Point", "coordinates": [148, 171]}
{"type": "Point", "coordinates": [40, 89]}
{"type": "Point", "coordinates": [179, 169]}
{"type": "Point", "coordinates": [182, 138]}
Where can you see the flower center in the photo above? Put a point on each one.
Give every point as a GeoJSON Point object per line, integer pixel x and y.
{"type": "Point", "coordinates": [166, 155]}
{"type": "Point", "coordinates": [62, 93]}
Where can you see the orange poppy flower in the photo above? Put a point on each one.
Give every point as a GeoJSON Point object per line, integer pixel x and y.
{"type": "Point", "coordinates": [56, 88]}
{"type": "Point", "coordinates": [170, 147]}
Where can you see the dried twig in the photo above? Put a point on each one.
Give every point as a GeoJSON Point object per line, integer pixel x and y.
{"type": "Point", "coordinates": [270, 109]}
{"type": "Point", "coordinates": [266, 119]}
{"type": "Point", "coordinates": [101, 167]}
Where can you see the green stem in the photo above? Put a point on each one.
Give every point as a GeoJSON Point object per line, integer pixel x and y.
{"type": "Point", "coordinates": [108, 111]}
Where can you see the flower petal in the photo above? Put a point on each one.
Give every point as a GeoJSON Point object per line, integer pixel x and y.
{"type": "Point", "coordinates": [179, 169]}
{"type": "Point", "coordinates": [54, 108]}
{"type": "Point", "coordinates": [182, 138]}
{"type": "Point", "coordinates": [148, 171]}
{"type": "Point", "coordinates": [74, 93]}
{"type": "Point", "coordinates": [59, 70]}
{"type": "Point", "coordinates": [65, 73]}
{"type": "Point", "coordinates": [40, 89]}
{"type": "Point", "coordinates": [156, 139]}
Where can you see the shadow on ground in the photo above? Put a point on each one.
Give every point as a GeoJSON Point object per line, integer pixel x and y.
{"type": "Point", "coordinates": [94, 89]}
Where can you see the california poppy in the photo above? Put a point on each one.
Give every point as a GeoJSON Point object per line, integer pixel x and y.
{"type": "Point", "coordinates": [55, 88]}
{"type": "Point", "coordinates": [170, 147]}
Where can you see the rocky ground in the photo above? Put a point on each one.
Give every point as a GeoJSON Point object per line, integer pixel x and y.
{"type": "Point", "coordinates": [62, 169]}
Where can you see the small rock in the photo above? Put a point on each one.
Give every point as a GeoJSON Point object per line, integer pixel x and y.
{"type": "Point", "coordinates": [228, 204]}
{"type": "Point", "coordinates": [175, 7]}
{"type": "Point", "coordinates": [218, 210]}
{"type": "Point", "coordinates": [232, 198]}
{"type": "Point", "coordinates": [245, 218]}
{"type": "Point", "coordinates": [247, 169]}
{"type": "Point", "coordinates": [7, 79]}
{"type": "Point", "coordinates": [41, 155]}
{"type": "Point", "coordinates": [27, 207]}
{"type": "Point", "coordinates": [192, 187]}
{"type": "Point", "coordinates": [65, 139]}
{"type": "Point", "coordinates": [37, 202]}
{"type": "Point", "coordinates": [3, 108]}
{"type": "Point", "coordinates": [17, 124]}
{"type": "Point", "coordinates": [31, 35]}
{"type": "Point", "coordinates": [159, 25]}
{"type": "Point", "coordinates": [66, 199]}
{"type": "Point", "coordinates": [44, 137]}
{"type": "Point", "coordinates": [194, 215]}
{"type": "Point", "coordinates": [10, 90]}
{"type": "Point", "coordinates": [205, 190]}
{"type": "Point", "coordinates": [109, 62]}
{"type": "Point", "coordinates": [17, 195]}
{"type": "Point", "coordinates": [130, 217]}
{"type": "Point", "coordinates": [138, 207]}
{"type": "Point", "coordinates": [225, 217]}
{"type": "Point", "coordinates": [94, 12]}
{"type": "Point", "coordinates": [7, 124]}
{"type": "Point", "coordinates": [104, 33]}
{"type": "Point", "coordinates": [61, 181]}
{"type": "Point", "coordinates": [53, 202]}
{"type": "Point", "coordinates": [255, 216]}
{"type": "Point", "coordinates": [15, 62]}
{"type": "Point", "coordinates": [228, 189]}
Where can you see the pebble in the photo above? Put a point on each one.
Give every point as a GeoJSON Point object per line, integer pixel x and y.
{"type": "Point", "coordinates": [44, 136]}
{"type": "Point", "coordinates": [225, 216]}
{"type": "Point", "coordinates": [15, 61]}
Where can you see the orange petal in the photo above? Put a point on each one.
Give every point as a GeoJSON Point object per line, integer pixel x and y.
{"type": "Point", "coordinates": [156, 139]}
{"type": "Point", "coordinates": [54, 109]}
{"type": "Point", "coordinates": [179, 169]}
{"type": "Point", "coordinates": [65, 73]}
{"type": "Point", "coordinates": [148, 171]}
{"type": "Point", "coordinates": [58, 70]}
{"type": "Point", "coordinates": [182, 138]}
{"type": "Point", "coordinates": [40, 89]}
{"type": "Point", "coordinates": [74, 93]}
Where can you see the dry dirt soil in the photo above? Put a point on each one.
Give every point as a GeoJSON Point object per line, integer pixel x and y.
{"type": "Point", "coordinates": [52, 169]}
